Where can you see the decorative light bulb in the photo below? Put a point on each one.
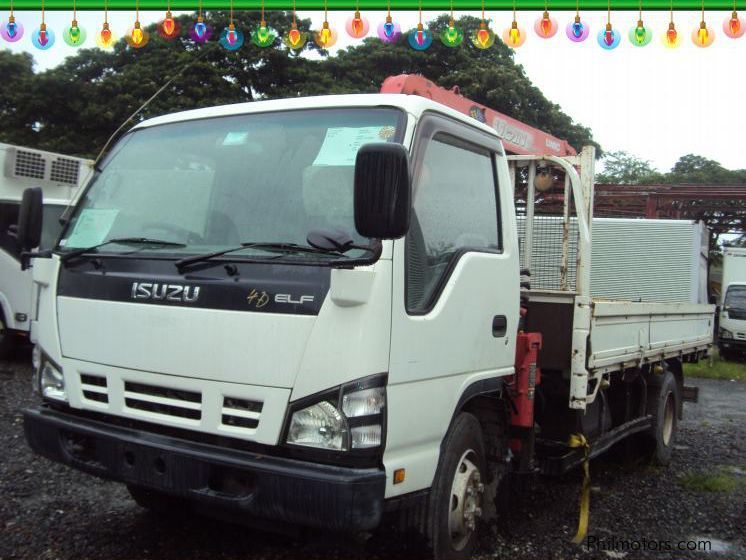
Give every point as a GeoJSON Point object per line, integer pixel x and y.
{"type": "Point", "coordinates": [357, 26]}
{"type": "Point", "coordinates": [451, 36]}
{"type": "Point", "coordinates": [514, 36]}
{"type": "Point", "coordinates": [200, 32]}
{"type": "Point", "coordinates": [137, 37]}
{"type": "Point", "coordinates": [420, 38]}
{"type": "Point", "coordinates": [671, 37]}
{"type": "Point", "coordinates": [546, 26]}
{"type": "Point", "coordinates": [105, 38]}
{"type": "Point", "coordinates": [326, 36]}
{"type": "Point", "coordinates": [577, 31]}
{"type": "Point", "coordinates": [231, 38]}
{"type": "Point", "coordinates": [733, 27]}
{"type": "Point", "coordinates": [639, 35]}
{"type": "Point", "coordinates": [703, 36]}
{"type": "Point", "coordinates": [483, 38]}
{"type": "Point", "coordinates": [169, 28]}
{"type": "Point", "coordinates": [42, 38]}
{"type": "Point", "coordinates": [388, 31]}
{"type": "Point", "coordinates": [294, 38]}
{"type": "Point", "coordinates": [609, 38]}
{"type": "Point", "coordinates": [12, 30]}
{"type": "Point", "coordinates": [74, 35]}
{"type": "Point", "coordinates": [263, 36]}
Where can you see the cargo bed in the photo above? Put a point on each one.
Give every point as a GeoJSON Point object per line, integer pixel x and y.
{"type": "Point", "coordinates": [586, 337]}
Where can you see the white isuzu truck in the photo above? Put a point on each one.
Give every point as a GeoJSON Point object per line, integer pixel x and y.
{"type": "Point", "coordinates": [732, 325]}
{"type": "Point", "coordinates": [313, 311]}
{"type": "Point", "coordinates": [59, 176]}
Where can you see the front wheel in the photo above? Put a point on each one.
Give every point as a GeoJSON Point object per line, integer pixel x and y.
{"type": "Point", "coordinates": [6, 340]}
{"type": "Point", "coordinates": [456, 498]}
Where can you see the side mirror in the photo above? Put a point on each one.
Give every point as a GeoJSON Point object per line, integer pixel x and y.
{"type": "Point", "coordinates": [383, 191]}
{"type": "Point", "coordinates": [29, 219]}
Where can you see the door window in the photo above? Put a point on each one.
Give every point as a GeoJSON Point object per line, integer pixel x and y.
{"type": "Point", "coordinates": [455, 210]}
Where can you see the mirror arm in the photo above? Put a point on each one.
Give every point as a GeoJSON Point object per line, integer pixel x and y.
{"type": "Point", "coordinates": [26, 257]}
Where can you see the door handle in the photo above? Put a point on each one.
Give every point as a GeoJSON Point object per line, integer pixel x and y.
{"type": "Point", "coordinates": [499, 326]}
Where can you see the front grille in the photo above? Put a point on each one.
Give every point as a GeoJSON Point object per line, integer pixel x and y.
{"type": "Point", "coordinates": [241, 413]}
{"type": "Point", "coordinates": [740, 336]}
{"type": "Point", "coordinates": [163, 400]}
{"type": "Point", "coordinates": [94, 387]}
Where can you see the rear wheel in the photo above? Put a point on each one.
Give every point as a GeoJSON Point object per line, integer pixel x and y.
{"type": "Point", "coordinates": [455, 505]}
{"type": "Point", "coordinates": [663, 404]}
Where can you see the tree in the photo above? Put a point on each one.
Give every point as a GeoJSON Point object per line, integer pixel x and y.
{"type": "Point", "coordinates": [622, 168]}
{"type": "Point", "coordinates": [74, 107]}
{"type": "Point", "coordinates": [700, 170]}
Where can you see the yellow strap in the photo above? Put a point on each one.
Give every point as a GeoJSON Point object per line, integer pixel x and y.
{"type": "Point", "coordinates": [578, 440]}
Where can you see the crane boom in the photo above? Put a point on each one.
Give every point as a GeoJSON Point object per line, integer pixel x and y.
{"type": "Point", "coordinates": [517, 137]}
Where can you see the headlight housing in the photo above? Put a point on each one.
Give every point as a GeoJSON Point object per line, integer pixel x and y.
{"type": "Point", "coordinates": [350, 419]}
{"type": "Point", "coordinates": [725, 333]}
{"type": "Point", "coordinates": [51, 381]}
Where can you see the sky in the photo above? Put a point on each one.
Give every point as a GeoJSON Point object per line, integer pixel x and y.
{"type": "Point", "coordinates": [653, 102]}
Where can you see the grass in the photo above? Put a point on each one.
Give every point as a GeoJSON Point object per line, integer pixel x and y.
{"type": "Point", "coordinates": [716, 368]}
{"type": "Point", "coordinates": [709, 482]}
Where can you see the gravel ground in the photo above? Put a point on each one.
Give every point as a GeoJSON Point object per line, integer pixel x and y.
{"type": "Point", "coordinates": [48, 511]}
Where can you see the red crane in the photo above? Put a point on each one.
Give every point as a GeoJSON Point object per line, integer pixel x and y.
{"type": "Point", "coordinates": [517, 137]}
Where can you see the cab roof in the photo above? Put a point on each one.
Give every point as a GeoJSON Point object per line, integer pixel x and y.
{"type": "Point", "coordinates": [415, 105]}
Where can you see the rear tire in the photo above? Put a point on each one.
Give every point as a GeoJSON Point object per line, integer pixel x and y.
{"type": "Point", "coordinates": [663, 404]}
{"type": "Point", "coordinates": [455, 503]}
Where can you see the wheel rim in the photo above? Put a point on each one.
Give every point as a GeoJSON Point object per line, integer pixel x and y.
{"type": "Point", "coordinates": [668, 419]}
{"type": "Point", "coordinates": [464, 507]}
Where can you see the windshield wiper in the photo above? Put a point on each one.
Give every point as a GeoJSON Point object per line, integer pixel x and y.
{"type": "Point", "coordinates": [265, 246]}
{"type": "Point", "coordinates": [123, 241]}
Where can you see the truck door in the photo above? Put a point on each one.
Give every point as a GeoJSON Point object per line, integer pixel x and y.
{"type": "Point", "coordinates": [455, 290]}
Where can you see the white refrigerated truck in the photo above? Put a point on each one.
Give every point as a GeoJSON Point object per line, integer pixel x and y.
{"type": "Point", "coordinates": [59, 176]}
{"type": "Point", "coordinates": [310, 311]}
{"type": "Point", "coordinates": [732, 325]}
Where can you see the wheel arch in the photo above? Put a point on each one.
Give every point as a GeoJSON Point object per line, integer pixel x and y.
{"type": "Point", "coordinates": [486, 400]}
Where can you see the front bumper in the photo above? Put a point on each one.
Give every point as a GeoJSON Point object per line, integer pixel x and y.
{"type": "Point", "coordinates": [246, 483]}
{"type": "Point", "coordinates": [732, 344]}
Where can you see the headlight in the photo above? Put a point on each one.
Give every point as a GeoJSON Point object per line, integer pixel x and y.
{"type": "Point", "coordinates": [319, 425]}
{"type": "Point", "coordinates": [725, 333]}
{"type": "Point", "coordinates": [347, 418]}
{"type": "Point", "coordinates": [51, 381]}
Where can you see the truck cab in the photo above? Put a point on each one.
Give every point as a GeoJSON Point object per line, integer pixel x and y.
{"type": "Point", "coordinates": [732, 320]}
{"type": "Point", "coordinates": [59, 177]}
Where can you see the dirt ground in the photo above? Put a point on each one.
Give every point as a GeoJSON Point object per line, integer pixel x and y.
{"type": "Point", "coordinates": [48, 511]}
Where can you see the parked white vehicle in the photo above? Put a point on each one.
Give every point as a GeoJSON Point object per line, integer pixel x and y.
{"type": "Point", "coordinates": [59, 176]}
{"type": "Point", "coordinates": [732, 326]}
{"type": "Point", "coordinates": [309, 311]}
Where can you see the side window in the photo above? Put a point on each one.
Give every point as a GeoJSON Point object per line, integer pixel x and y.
{"type": "Point", "coordinates": [8, 220]}
{"type": "Point", "coordinates": [455, 209]}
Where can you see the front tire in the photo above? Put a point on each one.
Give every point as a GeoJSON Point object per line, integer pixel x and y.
{"type": "Point", "coordinates": [155, 501]}
{"type": "Point", "coordinates": [6, 340]}
{"type": "Point", "coordinates": [455, 504]}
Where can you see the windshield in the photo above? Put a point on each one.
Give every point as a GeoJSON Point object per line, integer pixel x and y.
{"type": "Point", "coordinates": [735, 298]}
{"type": "Point", "coordinates": [214, 183]}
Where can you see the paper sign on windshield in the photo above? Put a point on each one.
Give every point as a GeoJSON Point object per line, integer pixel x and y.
{"type": "Point", "coordinates": [341, 144]}
{"type": "Point", "coordinates": [92, 227]}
